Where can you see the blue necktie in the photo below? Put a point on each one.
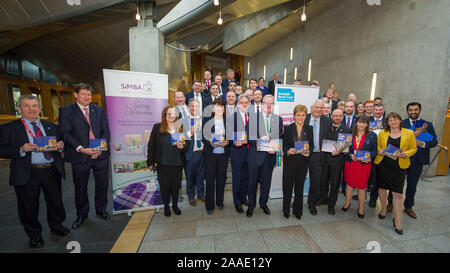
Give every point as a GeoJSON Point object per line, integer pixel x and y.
{"type": "Point", "coordinates": [316, 145]}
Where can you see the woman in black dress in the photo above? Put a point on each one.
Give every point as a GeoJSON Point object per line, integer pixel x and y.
{"type": "Point", "coordinates": [295, 164]}
{"type": "Point", "coordinates": [390, 172]}
{"type": "Point", "coordinates": [166, 159]}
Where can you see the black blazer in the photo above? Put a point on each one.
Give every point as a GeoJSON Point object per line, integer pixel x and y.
{"type": "Point", "coordinates": [208, 148]}
{"type": "Point", "coordinates": [290, 137]}
{"type": "Point", "coordinates": [423, 155]}
{"type": "Point", "coordinates": [74, 130]}
{"type": "Point", "coordinates": [155, 149]}
{"type": "Point", "coordinates": [12, 136]}
{"type": "Point", "coordinates": [271, 87]}
{"type": "Point", "coordinates": [325, 124]}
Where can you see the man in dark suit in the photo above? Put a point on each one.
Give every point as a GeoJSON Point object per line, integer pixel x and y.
{"type": "Point", "coordinates": [317, 166]}
{"type": "Point", "coordinates": [271, 86]}
{"type": "Point", "coordinates": [349, 114]}
{"type": "Point", "coordinates": [223, 89]}
{"type": "Point", "coordinates": [78, 123]}
{"type": "Point", "coordinates": [264, 125]}
{"type": "Point", "coordinates": [207, 76]}
{"type": "Point", "coordinates": [32, 171]}
{"type": "Point", "coordinates": [422, 157]}
{"type": "Point", "coordinates": [335, 163]}
{"type": "Point", "coordinates": [196, 93]}
{"type": "Point", "coordinates": [195, 173]}
{"type": "Point", "coordinates": [238, 122]}
{"type": "Point", "coordinates": [230, 78]}
{"type": "Point", "coordinates": [231, 103]}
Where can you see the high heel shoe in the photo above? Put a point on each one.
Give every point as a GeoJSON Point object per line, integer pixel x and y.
{"type": "Point", "coordinates": [381, 216]}
{"type": "Point", "coordinates": [399, 231]}
{"type": "Point", "coordinates": [345, 209]}
{"type": "Point", "coordinates": [361, 216]}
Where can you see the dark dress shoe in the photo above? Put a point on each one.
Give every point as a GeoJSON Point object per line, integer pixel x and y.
{"type": "Point", "coordinates": [104, 215]}
{"type": "Point", "coordinates": [167, 212]}
{"type": "Point", "coordinates": [398, 231]}
{"type": "Point", "coordinates": [210, 211]}
{"type": "Point", "coordinates": [266, 209]}
{"type": "Point", "coordinates": [176, 210]}
{"type": "Point", "coordinates": [245, 202]}
{"type": "Point", "coordinates": [372, 203]}
{"type": "Point", "coordinates": [61, 231]}
{"type": "Point", "coordinates": [249, 212]}
{"type": "Point", "coordinates": [361, 216]}
{"type": "Point", "coordinates": [313, 210]}
{"type": "Point", "coordinates": [78, 222]}
{"type": "Point", "coordinates": [36, 242]}
{"type": "Point", "coordinates": [221, 207]}
{"type": "Point", "coordinates": [239, 209]}
{"type": "Point", "coordinates": [331, 211]}
{"type": "Point", "coordinates": [286, 215]}
{"type": "Point", "coordinates": [345, 209]}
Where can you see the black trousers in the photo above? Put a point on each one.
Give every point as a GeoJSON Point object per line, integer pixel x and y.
{"type": "Point", "coordinates": [215, 174]}
{"type": "Point", "coordinates": [294, 174]}
{"type": "Point", "coordinates": [81, 172]}
{"type": "Point", "coordinates": [317, 168]}
{"type": "Point", "coordinates": [335, 165]}
{"type": "Point", "coordinates": [263, 175]}
{"type": "Point", "coordinates": [169, 179]}
{"type": "Point", "coordinates": [49, 180]}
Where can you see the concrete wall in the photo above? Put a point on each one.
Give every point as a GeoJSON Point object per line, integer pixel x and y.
{"type": "Point", "coordinates": [406, 42]}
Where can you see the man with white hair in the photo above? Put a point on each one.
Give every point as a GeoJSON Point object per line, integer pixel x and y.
{"type": "Point", "coordinates": [321, 125]}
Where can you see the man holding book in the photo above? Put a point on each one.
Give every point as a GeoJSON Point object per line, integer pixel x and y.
{"type": "Point", "coordinates": [340, 137]}
{"type": "Point", "coordinates": [80, 124]}
{"type": "Point", "coordinates": [33, 171]}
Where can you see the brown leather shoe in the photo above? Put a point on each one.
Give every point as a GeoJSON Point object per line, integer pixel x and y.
{"type": "Point", "coordinates": [192, 202]}
{"type": "Point", "coordinates": [390, 208]}
{"type": "Point", "coordinates": [411, 213]}
{"type": "Point", "coordinates": [202, 199]}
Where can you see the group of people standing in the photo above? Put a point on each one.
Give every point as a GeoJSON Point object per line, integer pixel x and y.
{"type": "Point", "coordinates": [377, 174]}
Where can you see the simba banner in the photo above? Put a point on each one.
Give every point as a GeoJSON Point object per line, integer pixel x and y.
{"type": "Point", "coordinates": [134, 104]}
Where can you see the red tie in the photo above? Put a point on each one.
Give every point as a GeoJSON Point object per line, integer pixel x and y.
{"type": "Point", "coordinates": [86, 114]}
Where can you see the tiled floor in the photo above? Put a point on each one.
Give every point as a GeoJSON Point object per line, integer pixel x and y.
{"type": "Point", "coordinates": [230, 232]}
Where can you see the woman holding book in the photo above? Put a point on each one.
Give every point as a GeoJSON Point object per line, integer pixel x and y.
{"type": "Point", "coordinates": [395, 145]}
{"type": "Point", "coordinates": [300, 135]}
{"type": "Point", "coordinates": [167, 159]}
{"type": "Point", "coordinates": [215, 155]}
{"type": "Point", "coordinates": [357, 165]}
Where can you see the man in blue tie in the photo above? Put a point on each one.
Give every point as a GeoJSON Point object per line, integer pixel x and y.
{"type": "Point", "coordinates": [33, 171]}
{"type": "Point", "coordinates": [195, 175]}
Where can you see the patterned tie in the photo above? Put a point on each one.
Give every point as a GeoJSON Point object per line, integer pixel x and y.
{"type": "Point", "coordinates": [47, 155]}
{"type": "Point", "coordinates": [86, 114]}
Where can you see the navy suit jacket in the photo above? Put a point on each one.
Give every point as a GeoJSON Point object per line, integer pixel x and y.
{"type": "Point", "coordinates": [206, 98]}
{"type": "Point", "coordinates": [344, 121]}
{"type": "Point", "coordinates": [256, 158]}
{"type": "Point", "coordinates": [13, 135]}
{"type": "Point", "coordinates": [370, 145]}
{"type": "Point", "coordinates": [423, 155]}
{"type": "Point", "coordinates": [325, 125]}
{"type": "Point", "coordinates": [237, 154]}
{"type": "Point", "coordinates": [74, 130]}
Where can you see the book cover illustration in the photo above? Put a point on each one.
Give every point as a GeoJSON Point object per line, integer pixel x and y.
{"type": "Point", "coordinates": [99, 144]}
{"type": "Point", "coordinates": [328, 146]}
{"type": "Point", "coordinates": [178, 138]}
{"type": "Point", "coordinates": [218, 139]}
{"type": "Point", "coordinates": [424, 136]}
{"type": "Point", "coordinates": [362, 155]}
{"type": "Point", "coordinates": [376, 125]}
{"type": "Point", "coordinates": [344, 142]}
{"type": "Point", "coordinates": [301, 147]}
{"type": "Point", "coordinates": [240, 137]}
{"type": "Point", "coordinates": [196, 123]}
{"type": "Point", "coordinates": [273, 145]}
{"type": "Point", "coordinates": [45, 143]}
{"type": "Point", "coordinates": [392, 151]}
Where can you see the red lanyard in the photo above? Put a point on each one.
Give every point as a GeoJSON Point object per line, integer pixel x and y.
{"type": "Point", "coordinates": [28, 129]}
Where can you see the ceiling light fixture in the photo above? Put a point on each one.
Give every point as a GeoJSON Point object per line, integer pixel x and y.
{"type": "Point", "coordinates": [303, 17]}
{"type": "Point", "coordinates": [220, 21]}
{"type": "Point", "coordinates": [216, 2]}
{"type": "Point", "coordinates": [138, 16]}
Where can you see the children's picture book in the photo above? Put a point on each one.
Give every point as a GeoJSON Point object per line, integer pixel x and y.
{"type": "Point", "coordinates": [376, 125]}
{"type": "Point", "coordinates": [424, 136]}
{"type": "Point", "coordinates": [99, 144]}
{"type": "Point", "coordinates": [45, 143]}
{"type": "Point", "coordinates": [196, 123]}
{"type": "Point", "coordinates": [344, 142]}
{"type": "Point", "coordinates": [301, 147]}
{"type": "Point", "coordinates": [362, 155]}
{"type": "Point", "coordinates": [240, 137]}
{"type": "Point", "coordinates": [392, 151]}
{"type": "Point", "coordinates": [178, 138]}
{"type": "Point", "coordinates": [273, 145]}
{"type": "Point", "coordinates": [328, 146]}
{"type": "Point", "coordinates": [218, 139]}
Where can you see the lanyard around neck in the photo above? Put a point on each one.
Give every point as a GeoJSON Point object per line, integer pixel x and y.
{"type": "Point", "coordinates": [28, 129]}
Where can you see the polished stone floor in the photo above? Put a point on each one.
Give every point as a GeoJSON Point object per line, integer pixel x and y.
{"type": "Point", "coordinates": [230, 232]}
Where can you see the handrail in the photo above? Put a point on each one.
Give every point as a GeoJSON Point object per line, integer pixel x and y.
{"type": "Point", "coordinates": [442, 147]}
